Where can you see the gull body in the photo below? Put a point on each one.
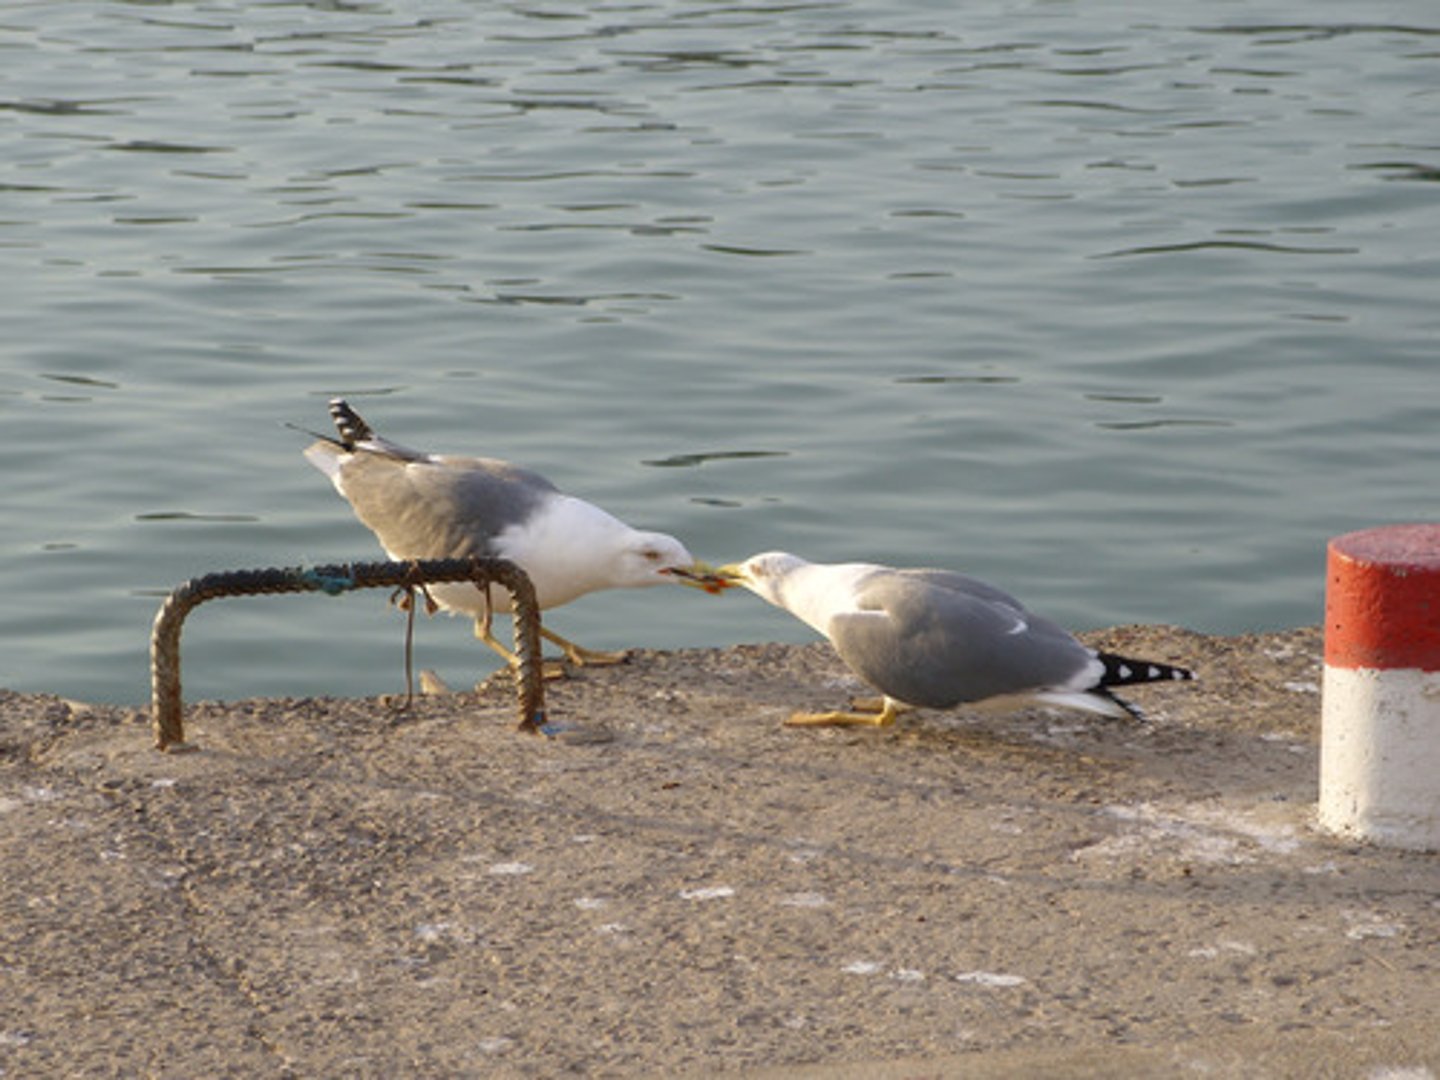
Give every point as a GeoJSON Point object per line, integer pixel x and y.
{"type": "Point", "coordinates": [938, 639]}
{"type": "Point", "coordinates": [435, 506]}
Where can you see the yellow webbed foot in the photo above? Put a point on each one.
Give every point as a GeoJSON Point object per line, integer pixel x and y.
{"type": "Point", "coordinates": [886, 715]}
{"type": "Point", "coordinates": [550, 669]}
{"type": "Point", "coordinates": [583, 657]}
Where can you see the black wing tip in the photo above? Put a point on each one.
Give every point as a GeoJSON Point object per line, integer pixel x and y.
{"type": "Point", "coordinates": [313, 434]}
{"type": "Point", "coordinates": [1124, 671]}
{"type": "Point", "coordinates": [348, 422]}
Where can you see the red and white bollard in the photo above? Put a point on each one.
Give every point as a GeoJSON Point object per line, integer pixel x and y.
{"type": "Point", "coordinates": [1380, 713]}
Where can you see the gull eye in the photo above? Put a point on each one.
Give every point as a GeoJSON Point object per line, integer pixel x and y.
{"type": "Point", "coordinates": [651, 555]}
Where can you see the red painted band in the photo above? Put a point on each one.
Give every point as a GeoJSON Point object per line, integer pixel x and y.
{"type": "Point", "coordinates": [1382, 599]}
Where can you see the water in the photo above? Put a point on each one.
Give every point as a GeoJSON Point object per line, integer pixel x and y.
{"type": "Point", "coordinates": [1127, 310]}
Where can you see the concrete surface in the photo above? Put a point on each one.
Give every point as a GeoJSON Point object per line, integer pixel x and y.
{"type": "Point", "coordinates": [331, 888]}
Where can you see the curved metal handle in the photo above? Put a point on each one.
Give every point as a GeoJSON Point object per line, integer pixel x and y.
{"type": "Point", "coordinates": [166, 707]}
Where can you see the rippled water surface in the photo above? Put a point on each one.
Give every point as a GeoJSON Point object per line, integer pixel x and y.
{"type": "Point", "coordinates": [1125, 308]}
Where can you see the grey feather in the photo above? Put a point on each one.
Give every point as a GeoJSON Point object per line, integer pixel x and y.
{"type": "Point", "coordinates": [951, 639]}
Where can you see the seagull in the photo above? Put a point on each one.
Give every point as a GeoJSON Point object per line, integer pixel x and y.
{"type": "Point", "coordinates": [437, 506]}
{"type": "Point", "coordinates": [937, 639]}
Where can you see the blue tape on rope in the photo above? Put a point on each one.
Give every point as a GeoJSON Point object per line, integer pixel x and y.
{"type": "Point", "coordinates": [329, 584]}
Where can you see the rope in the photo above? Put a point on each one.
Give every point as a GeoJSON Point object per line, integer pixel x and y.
{"type": "Point", "coordinates": [166, 706]}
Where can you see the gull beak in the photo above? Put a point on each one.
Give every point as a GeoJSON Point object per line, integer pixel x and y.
{"type": "Point", "coordinates": [700, 575]}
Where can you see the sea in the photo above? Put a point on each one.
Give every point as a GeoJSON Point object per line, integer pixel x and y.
{"type": "Point", "coordinates": [1125, 308]}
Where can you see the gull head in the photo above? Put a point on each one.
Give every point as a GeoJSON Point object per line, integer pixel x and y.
{"type": "Point", "coordinates": [762, 574]}
{"type": "Point", "coordinates": [652, 558]}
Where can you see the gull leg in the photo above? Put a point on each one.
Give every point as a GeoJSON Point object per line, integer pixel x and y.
{"type": "Point", "coordinates": [877, 705]}
{"type": "Point", "coordinates": [549, 669]}
{"type": "Point", "coordinates": [576, 654]}
{"type": "Point", "coordinates": [482, 631]}
{"type": "Point", "coordinates": [886, 715]}
{"type": "Point", "coordinates": [582, 656]}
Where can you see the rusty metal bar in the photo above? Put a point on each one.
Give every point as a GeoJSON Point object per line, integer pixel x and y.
{"type": "Point", "coordinates": [166, 708]}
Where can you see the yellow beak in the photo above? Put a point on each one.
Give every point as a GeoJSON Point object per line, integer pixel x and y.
{"type": "Point", "coordinates": [701, 575]}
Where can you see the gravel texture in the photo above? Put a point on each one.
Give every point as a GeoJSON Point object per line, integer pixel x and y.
{"type": "Point", "coordinates": [682, 886]}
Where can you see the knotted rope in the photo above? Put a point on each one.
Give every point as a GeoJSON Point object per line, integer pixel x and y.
{"type": "Point", "coordinates": [166, 708]}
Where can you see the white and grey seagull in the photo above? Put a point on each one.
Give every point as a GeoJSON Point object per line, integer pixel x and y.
{"type": "Point", "coordinates": [438, 506]}
{"type": "Point", "coordinates": [937, 639]}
